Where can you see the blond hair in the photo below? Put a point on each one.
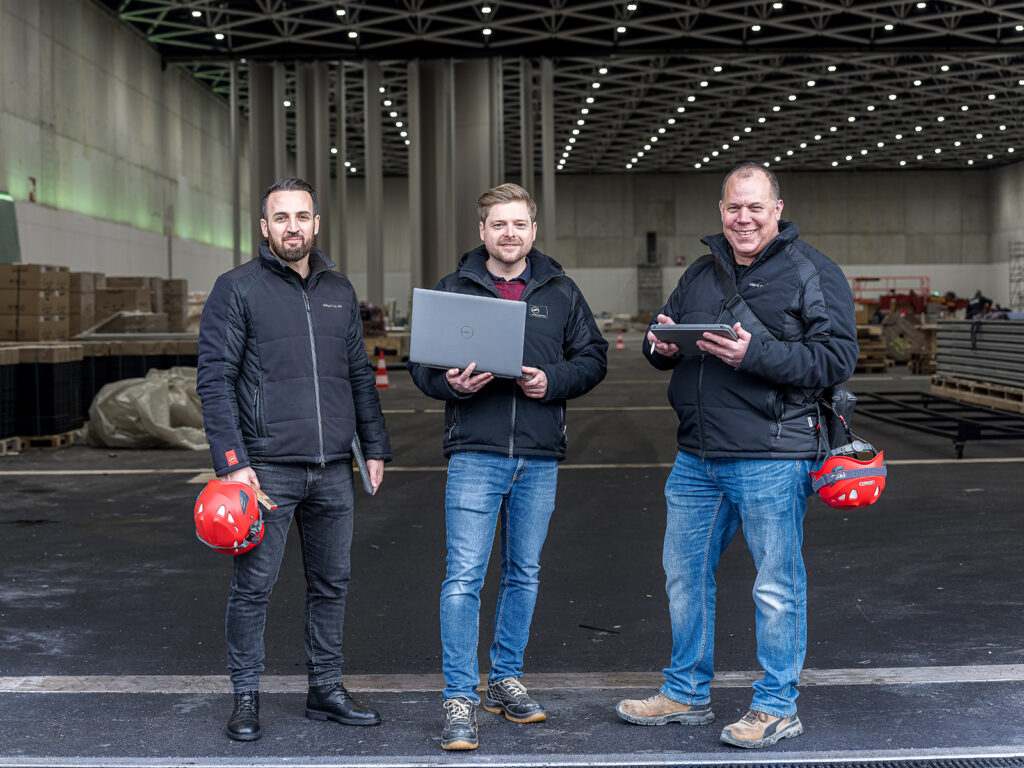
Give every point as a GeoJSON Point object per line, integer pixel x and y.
{"type": "Point", "coordinates": [505, 193]}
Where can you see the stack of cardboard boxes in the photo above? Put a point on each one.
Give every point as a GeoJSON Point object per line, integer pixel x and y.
{"type": "Point", "coordinates": [83, 299]}
{"type": "Point", "coordinates": [34, 302]}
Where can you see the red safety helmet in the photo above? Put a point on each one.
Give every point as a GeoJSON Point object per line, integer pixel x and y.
{"type": "Point", "coordinates": [228, 517]}
{"type": "Point", "coordinates": [846, 481]}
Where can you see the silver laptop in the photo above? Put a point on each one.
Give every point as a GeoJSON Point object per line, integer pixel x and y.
{"type": "Point", "coordinates": [452, 330]}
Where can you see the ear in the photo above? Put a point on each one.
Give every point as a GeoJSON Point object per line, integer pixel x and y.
{"type": "Point", "coordinates": [264, 229]}
{"type": "Point", "coordinates": [482, 232]}
{"type": "Point", "coordinates": [778, 210]}
{"type": "Point", "coordinates": [316, 226]}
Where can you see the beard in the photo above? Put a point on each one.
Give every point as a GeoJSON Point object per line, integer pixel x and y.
{"type": "Point", "coordinates": [291, 253]}
{"type": "Point", "coordinates": [508, 257]}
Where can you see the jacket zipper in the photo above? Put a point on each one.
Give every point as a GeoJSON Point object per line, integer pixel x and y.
{"type": "Point", "coordinates": [316, 377]}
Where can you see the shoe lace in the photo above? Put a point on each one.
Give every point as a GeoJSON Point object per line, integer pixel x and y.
{"type": "Point", "coordinates": [514, 688]}
{"type": "Point", "coordinates": [457, 710]}
{"type": "Point", "coordinates": [751, 718]}
{"type": "Point", "coordinates": [246, 702]}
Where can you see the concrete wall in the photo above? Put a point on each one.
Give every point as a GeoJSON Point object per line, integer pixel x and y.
{"type": "Point", "coordinates": [111, 139]}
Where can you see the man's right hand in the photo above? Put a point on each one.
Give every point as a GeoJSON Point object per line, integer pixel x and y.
{"type": "Point", "coordinates": [464, 381]}
{"type": "Point", "coordinates": [243, 475]}
{"type": "Point", "coordinates": [662, 347]}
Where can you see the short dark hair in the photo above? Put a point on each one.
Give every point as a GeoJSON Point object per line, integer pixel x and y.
{"type": "Point", "coordinates": [749, 169]}
{"type": "Point", "coordinates": [505, 193]}
{"type": "Point", "coordinates": [288, 185]}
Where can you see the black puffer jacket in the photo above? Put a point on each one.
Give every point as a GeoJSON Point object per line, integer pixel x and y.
{"type": "Point", "coordinates": [562, 340]}
{"type": "Point", "coordinates": [765, 408]}
{"type": "Point", "coordinates": [283, 371]}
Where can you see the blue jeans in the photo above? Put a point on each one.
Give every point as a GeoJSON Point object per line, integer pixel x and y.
{"type": "Point", "coordinates": [320, 500]}
{"type": "Point", "coordinates": [707, 501]}
{"type": "Point", "coordinates": [483, 489]}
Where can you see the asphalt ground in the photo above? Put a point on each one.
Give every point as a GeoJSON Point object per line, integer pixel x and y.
{"type": "Point", "coordinates": [111, 612]}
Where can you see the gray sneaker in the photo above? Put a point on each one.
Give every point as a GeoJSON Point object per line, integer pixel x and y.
{"type": "Point", "coordinates": [510, 696]}
{"type": "Point", "coordinates": [459, 730]}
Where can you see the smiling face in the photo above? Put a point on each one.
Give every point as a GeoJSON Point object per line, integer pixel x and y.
{"type": "Point", "coordinates": [750, 218]}
{"type": "Point", "coordinates": [290, 225]}
{"type": "Point", "coordinates": [508, 235]}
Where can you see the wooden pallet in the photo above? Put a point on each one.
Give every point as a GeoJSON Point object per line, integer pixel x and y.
{"type": "Point", "coordinates": [921, 364]}
{"type": "Point", "coordinates": [9, 446]}
{"type": "Point", "coordinates": [62, 440]}
{"type": "Point", "coordinates": [1000, 396]}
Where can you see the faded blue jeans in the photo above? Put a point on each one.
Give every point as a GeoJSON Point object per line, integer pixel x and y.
{"type": "Point", "coordinates": [518, 494]}
{"type": "Point", "coordinates": [320, 500]}
{"type": "Point", "coordinates": [707, 501]}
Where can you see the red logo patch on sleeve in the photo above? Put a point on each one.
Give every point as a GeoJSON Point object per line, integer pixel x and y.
{"type": "Point", "coordinates": [232, 459]}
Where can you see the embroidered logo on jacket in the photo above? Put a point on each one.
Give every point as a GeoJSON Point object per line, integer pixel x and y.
{"type": "Point", "coordinates": [232, 459]}
{"type": "Point", "coordinates": [758, 283]}
{"type": "Point", "coordinates": [333, 306]}
{"type": "Point", "coordinates": [539, 311]}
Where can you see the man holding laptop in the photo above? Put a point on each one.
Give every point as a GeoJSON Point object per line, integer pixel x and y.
{"type": "Point", "coordinates": [503, 438]}
{"type": "Point", "coordinates": [747, 438]}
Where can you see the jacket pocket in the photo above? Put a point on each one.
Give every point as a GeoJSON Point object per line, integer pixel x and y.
{"type": "Point", "coordinates": [257, 412]}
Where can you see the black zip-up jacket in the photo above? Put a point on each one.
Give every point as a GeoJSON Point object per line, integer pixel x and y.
{"type": "Point", "coordinates": [765, 408]}
{"type": "Point", "coordinates": [562, 340]}
{"type": "Point", "coordinates": [283, 370]}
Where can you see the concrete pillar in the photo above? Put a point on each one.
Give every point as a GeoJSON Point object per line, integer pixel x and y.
{"type": "Point", "coordinates": [262, 165]}
{"type": "Point", "coordinates": [339, 211]}
{"type": "Point", "coordinates": [305, 143]}
{"type": "Point", "coordinates": [497, 142]}
{"type": "Point", "coordinates": [546, 229]}
{"type": "Point", "coordinates": [526, 123]}
{"type": "Point", "coordinates": [430, 170]}
{"type": "Point", "coordinates": [373, 170]}
{"type": "Point", "coordinates": [473, 135]}
{"type": "Point", "coordinates": [236, 192]}
{"type": "Point", "coordinates": [279, 126]}
{"type": "Point", "coordinates": [320, 174]}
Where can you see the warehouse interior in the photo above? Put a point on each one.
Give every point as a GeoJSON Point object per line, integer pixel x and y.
{"type": "Point", "coordinates": [136, 137]}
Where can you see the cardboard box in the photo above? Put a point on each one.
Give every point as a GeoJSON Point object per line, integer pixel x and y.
{"type": "Point", "coordinates": [115, 281]}
{"type": "Point", "coordinates": [136, 322]}
{"type": "Point", "coordinates": [33, 327]}
{"type": "Point", "coordinates": [83, 282]}
{"type": "Point", "coordinates": [37, 277]}
{"type": "Point", "coordinates": [14, 301]}
{"type": "Point", "coordinates": [112, 300]}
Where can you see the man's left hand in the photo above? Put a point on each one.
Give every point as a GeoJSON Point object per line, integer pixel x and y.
{"type": "Point", "coordinates": [728, 351]}
{"type": "Point", "coordinates": [534, 383]}
{"type": "Point", "coordinates": [375, 469]}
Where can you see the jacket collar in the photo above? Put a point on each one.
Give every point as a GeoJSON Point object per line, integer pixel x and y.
{"type": "Point", "coordinates": [542, 267]}
{"type": "Point", "coordinates": [722, 251]}
{"type": "Point", "coordinates": [318, 261]}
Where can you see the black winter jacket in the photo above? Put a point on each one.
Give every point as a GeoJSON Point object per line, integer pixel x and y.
{"type": "Point", "coordinates": [562, 340]}
{"type": "Point", "coordinates": [764, 409]}
{"type": "Point", "coordinates": [283, 370]}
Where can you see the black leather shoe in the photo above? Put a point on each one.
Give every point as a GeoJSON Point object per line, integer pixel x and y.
{"type": "Point", "coordinates": [244, 724]}
{"type": "Point", "coordinates": [332, 702]}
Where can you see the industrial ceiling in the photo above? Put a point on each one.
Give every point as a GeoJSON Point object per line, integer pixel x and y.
{"type": "Point", "coordinates": [657, 86]}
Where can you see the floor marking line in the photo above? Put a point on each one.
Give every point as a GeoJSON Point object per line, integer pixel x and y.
{"type": "Point", "coordinates": [397, 683]}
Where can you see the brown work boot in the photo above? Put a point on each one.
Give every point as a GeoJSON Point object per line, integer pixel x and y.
{"type": "Point", "coordinates": [759, 729]}
{"type": "Point", "coordinates": [661, 710]}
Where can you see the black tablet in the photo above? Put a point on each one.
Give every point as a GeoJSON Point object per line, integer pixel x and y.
{"type": "Point", "coordinates": [687, 335]}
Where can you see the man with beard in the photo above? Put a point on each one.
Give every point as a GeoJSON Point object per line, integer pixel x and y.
{"type": "Point", "coordinates": [504, 439]}
{"type": "Point", "coordinates": [285, 383]}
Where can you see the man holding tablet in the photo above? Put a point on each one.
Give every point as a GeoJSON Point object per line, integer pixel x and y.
{"type": "Point", "coordinates": [747, 440]}
{"type": "Point", "coordinates": [504, 438]}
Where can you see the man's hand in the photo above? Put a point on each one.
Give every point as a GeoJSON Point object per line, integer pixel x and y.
{"type": "Point", "coordinates": [534, 382]}
{"type": "Point", "coordinates": [728, 351]}
{"type": "Point", "coordinates": [243, 475]}
{"type": "Point", "coordinates": [464, 381]}
{"type": "Point", "coordinates": [375, 471]}
{"type": "Point", "coordinates": [663, 347]}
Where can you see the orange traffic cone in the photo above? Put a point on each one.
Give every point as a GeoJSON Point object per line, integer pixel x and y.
{"type": "Point", "coordinates": [619, 345]}
{"type": "Point", "coordinates": [382, 372]}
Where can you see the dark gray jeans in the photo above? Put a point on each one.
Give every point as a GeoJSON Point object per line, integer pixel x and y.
{"type": "Point", "coordinates": [320, 500]}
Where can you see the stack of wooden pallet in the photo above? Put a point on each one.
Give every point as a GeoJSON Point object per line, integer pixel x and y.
{"type": "Point", "coordinates": [981, 362]}
{"type": "Point", "coordinates": [872, 357]}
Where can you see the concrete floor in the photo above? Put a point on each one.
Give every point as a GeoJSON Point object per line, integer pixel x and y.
{"type": "Point", "coordinates": [111, 612]}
